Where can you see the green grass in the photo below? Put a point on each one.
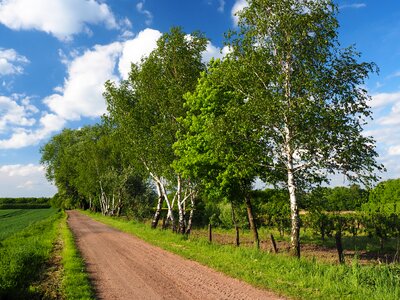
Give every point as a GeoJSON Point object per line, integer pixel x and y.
{"type": "Point", "coordinates": [300, 279]}
{"type": "Point", "coordinates": [76, 284]}
{"type": "Point", "coordinates": [14, 220]}
{"type": "Point", "coordinates": [24, 251]}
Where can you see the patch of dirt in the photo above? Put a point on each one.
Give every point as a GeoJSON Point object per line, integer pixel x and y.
{"type": "Point", "coordinates": [48, 287]}
{"type": "Point", "coordinates": [122, 266]}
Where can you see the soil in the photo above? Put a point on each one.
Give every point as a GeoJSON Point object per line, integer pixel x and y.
{"type": "Point", "coordinates": [122, 266]}
{"type": "Point", "coordinates": [48, 287]}
{"type": "Point", "coordinates": [310, 251]}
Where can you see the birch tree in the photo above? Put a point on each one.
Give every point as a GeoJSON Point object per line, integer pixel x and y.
{"type": "Point", "coordinates": [287, 61]}
{"type": "Point", "coordinates": [146, 108]}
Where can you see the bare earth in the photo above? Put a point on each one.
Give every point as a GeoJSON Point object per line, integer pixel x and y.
{"type": "Point", "coordinates": [122, 266]}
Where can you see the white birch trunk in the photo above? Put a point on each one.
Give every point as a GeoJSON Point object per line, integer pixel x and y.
{"type": "Point", "coordinates": [294, 211]}
{"type": "Point", "coordinates": [157, 214]}
{"type": "Point", "coordinates": [180, 203]}
{"type": "Point", "coordinates": [192, 203]}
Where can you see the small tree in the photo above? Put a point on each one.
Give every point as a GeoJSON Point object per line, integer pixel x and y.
{"type": "Point", "coordinates": [217, 146]}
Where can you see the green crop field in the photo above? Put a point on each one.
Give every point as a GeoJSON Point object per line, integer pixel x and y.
{"type": "Point", "coordinates": [26, 242]}
{"type": "Point", "coordinates": [14, 220]}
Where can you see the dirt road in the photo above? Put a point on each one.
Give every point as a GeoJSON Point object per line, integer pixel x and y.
{"type": "Point", "coordinates": [122, 266]}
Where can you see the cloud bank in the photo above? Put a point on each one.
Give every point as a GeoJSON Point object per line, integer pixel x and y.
{"type": "Point", "coordinates": [60, 18]}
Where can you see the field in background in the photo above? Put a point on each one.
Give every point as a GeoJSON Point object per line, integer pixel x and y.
{"type": "Point", "coordinates": [14, 220]}
{"type": "Point", "coordinates": [26, 242]}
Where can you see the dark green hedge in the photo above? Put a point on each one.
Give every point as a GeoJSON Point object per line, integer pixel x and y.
{"type": "Point", "coordinates": [24, 203]}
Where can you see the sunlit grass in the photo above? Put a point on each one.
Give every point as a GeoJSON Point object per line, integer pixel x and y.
{"type": "Point", "coordinates": [24, 252]}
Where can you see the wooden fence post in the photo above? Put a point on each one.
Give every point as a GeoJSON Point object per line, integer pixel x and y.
{"type": "Point", "coordinates": [273, 244]}
{"type": "Point", "coordinates": [237, 235]}
{"type": "Point", "coordinates": [339, 246]}
{"type": "Point", "coordinates": [209, 233]}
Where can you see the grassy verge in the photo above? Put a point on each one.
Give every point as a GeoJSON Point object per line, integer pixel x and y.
{"type": "Point", "coordinates": [301, 279]}
{"type": "Point", "coordinates": [23, 254]}
{"type": "Point", "coordinates": [76, 284]}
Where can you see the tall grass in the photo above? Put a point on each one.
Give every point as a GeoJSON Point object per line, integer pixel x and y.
{"type": "Point", "coordinates": [300, 279]}
{"type": "Point", "coordinates": [22, 255]}
{"type": "Point", "coordinates": [75, 284]}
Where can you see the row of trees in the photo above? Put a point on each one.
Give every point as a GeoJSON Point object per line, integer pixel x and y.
{"type": "Point", "coordinates": [28, 203]}
{"type": "Point", "coordinates": [286, 105]}
{"type": "Point", "coordinates": [90, 170]}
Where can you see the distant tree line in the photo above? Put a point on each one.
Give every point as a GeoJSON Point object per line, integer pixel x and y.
{"type": "Point", "coordinates": [24, 203]}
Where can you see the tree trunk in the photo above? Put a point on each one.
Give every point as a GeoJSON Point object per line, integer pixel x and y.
{"type": "Point", "coordinates": [294, 212]}
{"type": "Point", "coordinates": [192, 203]}
{"type": "Point", "coordinates": [235, 224]}
{"type": "Point", "coordinates": [170, 214]}
{"type": "Point", "coordinates": [181, 208]}
{"type": "Point", "coordinates": [163, 193]}
{"type": "Point", "coordinates": [339, 246]}
{"type": "Point", "coordinates": [253, 226]}
{"type": "Point", "coordinates": [157, 214]}
{"type": "Point", "coordinates": [273, 244]}
{"type": "Point", "coordinates": [237, 236]}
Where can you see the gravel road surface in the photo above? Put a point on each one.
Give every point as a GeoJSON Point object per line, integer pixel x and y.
{"type": "Point", "coordinates": [122, 266]}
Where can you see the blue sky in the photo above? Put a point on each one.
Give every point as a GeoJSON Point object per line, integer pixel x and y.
{"type": "Point", "coordinates": [55, 56]}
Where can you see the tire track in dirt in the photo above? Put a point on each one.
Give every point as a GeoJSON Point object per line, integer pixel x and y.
{"type": "Point", "coordinates": [122, 266]}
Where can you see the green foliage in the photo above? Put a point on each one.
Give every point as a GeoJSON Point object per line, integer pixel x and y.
{"type": "Point", "coordinates": [145, 108]}
{"type": "Point", "coordinates": [384, 198]}
{"type": "Point", "coordinates": [374, 225]}
{"type": "Point", "coordinates": [27, 203]}
{"type": "Point", "coordinates": [89, 166]}
{"type": "Point", "coordinates": [272, 208]}
{"type": "Point", "coordinates": [217, 143]}
{"type": "Point", "coordinates": [23, 254]}
{"type": "Point", "coordinates": [335, 199]}
{"type": "Point", "coordinates": [309, 95]}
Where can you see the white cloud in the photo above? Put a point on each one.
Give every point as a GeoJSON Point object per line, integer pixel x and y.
{"type": "Point", "coordinates": [24, 181]}
{"type": "Point", "coordinates": [16, 112]}
{"type": "Point", "coordinates": [20, 170]}
{"type": "Point", "coordinates": [81, 93]}
{"type": "Point", "coordinates": [214, 52]}
{"type": "Point", "coordinates": [136, 48]}
{"type": "Point", "coordinates": [394, 150]}
{"type": "Point", "coordinates": [238, 6]}
{"type": "Point", "coordinates": [61, 18]}
{"type": "Point", "coordinates": [393, 118]}
{"type": "Point", "coordinates": [145, 12]}
{"type": "Point", "coordinates": [354, 5]}
{"type": "Point", "coordinates": [79, 96]}
{"type": "Point", "coordinates": [126, 26]}
{"type": "Point", "coordinates": [11, 62]}
{"type": "Point", "coordinates": [24, 137]}
{"type": "Point", "coordinates": [384, 129]}
{"type": "Point", "coordinates": [221, 6]}
{"type": "Point", "coordinates": [82, 90]}
{"type": "Point", "coordinates": [383, 99]}
{"type": "Point", "coordinates": [395, 74]}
